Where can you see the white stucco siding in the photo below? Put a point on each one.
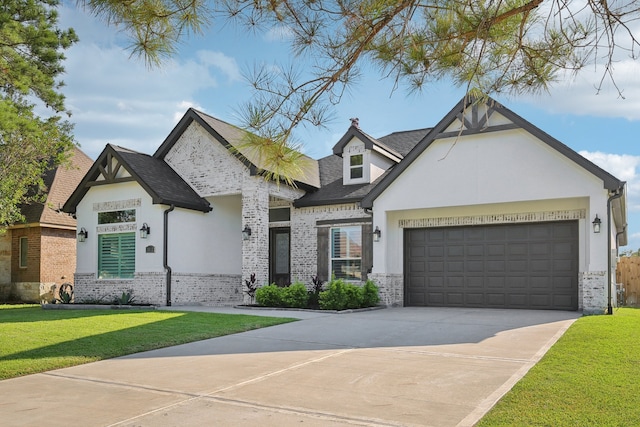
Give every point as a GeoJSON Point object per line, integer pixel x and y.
{"type": "Point", "coordinates": [496, 167]}
{"type": "Point", "coordinates": [111, 197]}
{"type": "Point", "coordinates": [205, 163]}
{"type": "Point", "coordinates": [207, 243]}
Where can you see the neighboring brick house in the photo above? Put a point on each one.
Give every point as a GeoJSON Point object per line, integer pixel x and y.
{"type": "Point", "coordinates": [38, 255]}
{"type": "Point", "coordinates": [482, 210]}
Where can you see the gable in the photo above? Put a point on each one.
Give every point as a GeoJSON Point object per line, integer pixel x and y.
{"type": "Point", "coordinates": [486, 122]}
{"type": "Point", "coordinates": [119, 165]}
{"type": "Point", "coordinates": [208, 166]}
{"type": "Point", "coordinates": [234, 141]}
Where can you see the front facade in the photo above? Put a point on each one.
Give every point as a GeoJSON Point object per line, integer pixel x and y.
{"type": "Point", "coordinates": [483, 210]}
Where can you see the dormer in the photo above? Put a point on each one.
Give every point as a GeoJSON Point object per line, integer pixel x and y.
{"type": "Point", "coordinates": [364, 158]}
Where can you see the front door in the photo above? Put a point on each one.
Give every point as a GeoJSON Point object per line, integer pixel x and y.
{"type": "Point", "coordinates": [279, 256]}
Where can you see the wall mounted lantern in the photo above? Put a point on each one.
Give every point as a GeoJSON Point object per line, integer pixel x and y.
{"type": "Point", "coordinates": [377, 234]}
{"type": "Point", "coordinates": [246, 233]}
{"type": "Point", "coordinates": [82, 235]}
{"type": "Point", "coordinates": [145, 231]}
{"type": "Point", "coordinates": [596, 224]}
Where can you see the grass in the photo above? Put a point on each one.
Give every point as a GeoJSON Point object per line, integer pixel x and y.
{"type": "Point", "coordinates": [35, 340]}
{"type": "Point", "coordinates": [590, 377]}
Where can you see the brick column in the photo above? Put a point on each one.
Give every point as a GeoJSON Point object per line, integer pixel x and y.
{"type": "Point", "coordinates": [255, 214]}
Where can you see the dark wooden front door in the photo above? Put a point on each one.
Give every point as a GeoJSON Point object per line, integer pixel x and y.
{"type": "Point", "coordinates": [279, 256]}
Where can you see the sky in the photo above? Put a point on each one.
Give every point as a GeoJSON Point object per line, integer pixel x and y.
{"type": "Point", "coordinates": [116, 99]}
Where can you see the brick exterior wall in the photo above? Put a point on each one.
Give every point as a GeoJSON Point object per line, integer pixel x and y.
{"type": "Point", "coordinates": [150, 288]}
{"type": "Point", "coordinates": [30, 273]}
{"type": "Point", "coordinates": [206, 289]}
{"type": "Point", "coordinates": [57, 255]}
{"type": "Point", "coordinates": [304, 235]}
{"type": "Point", "coordinates": [592, 292]}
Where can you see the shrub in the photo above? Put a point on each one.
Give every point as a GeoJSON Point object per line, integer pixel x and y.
{"type": "Point", "coordinates": [269, 296]}
{"type": "Point", "coordinates": [295, 295]}
{"type": "Point", "coordinates": [370, 296]}
{"type": "Point", "coordinates": [341, 295]}
{"type": "Point", "coordinates": [126, 298]}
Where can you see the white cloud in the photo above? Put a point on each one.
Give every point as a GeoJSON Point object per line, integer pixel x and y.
{"type": "Point", "coordinates": [623, 167]}
{"type": "Point", "coordinates": [579, 95]}
{"type": "Point", "coordinates": [224, 63]}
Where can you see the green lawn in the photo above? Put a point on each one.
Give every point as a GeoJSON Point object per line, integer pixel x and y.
{"type": "Point", "coordinates": [36, 340]}
{"type": "Point", "coordinates": [590, 377]}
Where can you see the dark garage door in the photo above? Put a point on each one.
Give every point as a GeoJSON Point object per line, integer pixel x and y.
{"type": "Point", "coordinates": [532, 266]}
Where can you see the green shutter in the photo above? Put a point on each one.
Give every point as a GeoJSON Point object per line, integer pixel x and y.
{"type": "Point", "coordinates": [116, 256]}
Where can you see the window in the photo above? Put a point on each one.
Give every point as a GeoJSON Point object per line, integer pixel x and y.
{"type": "Point", "coordinates": [116, 256]}
{"type": "Point", "coordinates": [113, 217]}
{"type": "Point", "coordinates": [346, 253]}
{"type": "Point", "coordinates": [356, 162]}
{"type": "Point", "coordinates": [279, 214]}
{"type": "Point", "coordinates": [24, 250]}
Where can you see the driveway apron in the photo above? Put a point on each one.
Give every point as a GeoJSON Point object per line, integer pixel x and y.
{"type": "Point", "coordinates": [388, 367]}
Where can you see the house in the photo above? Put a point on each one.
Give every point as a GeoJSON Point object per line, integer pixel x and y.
{"type": "Point", "coordinates": [482, 210]}
{"type": "Point", "coordinates": [39, 255]}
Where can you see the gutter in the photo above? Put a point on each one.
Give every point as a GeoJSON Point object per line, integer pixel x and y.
{"type": "Point", "coordinates": [165, 250]}
{"type": "Point", "coordinates": [619, 192]}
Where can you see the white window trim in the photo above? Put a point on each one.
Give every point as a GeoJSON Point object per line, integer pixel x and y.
{"type": "Point", "coordinates": [332, 258]}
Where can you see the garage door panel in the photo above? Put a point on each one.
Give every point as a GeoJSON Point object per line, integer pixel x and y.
{"type": "Point", "coordinates": [417, 267]}
{"type": "Point", "coordinates": [517, 266]}
{"type": "Point", "coordinates": [455, 299]}
{"type": "Point", "coordinates": [516, 300]}
{"type": "Point", "coordinates": [474, 299]}
{"type": "Point", "coordinates": [510, 266]}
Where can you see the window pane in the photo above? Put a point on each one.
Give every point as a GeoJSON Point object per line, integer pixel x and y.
{"type": "Point", "coordinates": [356, 160]}
{"type": "Point", "coordinates": [356, 173]}
{"type": "Point", "coordinates": [112, 217]}
{"type": "Point", "coordinates": [347, 269]}
{"type": "Point", "coordinates": [346, 252]}
{"type": "Point", "coordinates": [279, 214]}
{"type": "Point", "coordinates": [116, 256]}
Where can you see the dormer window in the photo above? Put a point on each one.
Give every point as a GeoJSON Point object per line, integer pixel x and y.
{"type": "Point", "coordinates": [356, 166]}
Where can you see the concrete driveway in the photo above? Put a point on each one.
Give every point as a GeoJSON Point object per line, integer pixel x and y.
{"type": "Point", "coordinates": [389, 367]}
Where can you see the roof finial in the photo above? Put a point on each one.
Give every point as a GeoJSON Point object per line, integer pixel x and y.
{"type": "Point", "coordinates": [355, 122]}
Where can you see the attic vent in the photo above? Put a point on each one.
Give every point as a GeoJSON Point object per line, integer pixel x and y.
{"type": "Point", "coordinates": [355, 122]}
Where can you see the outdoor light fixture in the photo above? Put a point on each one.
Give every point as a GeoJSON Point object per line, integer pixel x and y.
{"type": "Point", "coordinates": [377, 234]}
{"type": "Point", "coordinates": [145, 231]}
{"type": "Point", "coordinates": [596, 224]}
{"type": "Point", "coordinates": [246, 233]}
{"type": "Point", "coordinates": [82, 235]}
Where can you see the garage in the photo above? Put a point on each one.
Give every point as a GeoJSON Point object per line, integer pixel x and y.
{"type": "Point", "coordinates": [525, 265]}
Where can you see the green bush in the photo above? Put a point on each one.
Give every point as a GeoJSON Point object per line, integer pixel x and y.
{"type": "Point", "coordinates": [294, 296]}
{"type": "Point", "coordinates": [269, 296]}
{"type": "Point", "coordinates": [370, 296]}
{"type": "Point", "coordinates": [341, 295]}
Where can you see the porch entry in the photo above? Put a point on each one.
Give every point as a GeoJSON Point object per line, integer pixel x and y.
{"type": "Point", "coordinates": [280, 256]}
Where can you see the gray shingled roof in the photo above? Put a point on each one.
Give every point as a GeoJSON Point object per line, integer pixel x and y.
{"type": "Point", "coordinates": [157, 178]}
{"type": "Point", "coordinates": [60, 183]}
{"type": "Point", "coordinates": [333, 190]}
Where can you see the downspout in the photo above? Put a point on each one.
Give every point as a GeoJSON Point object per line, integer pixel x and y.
{"type": "Point", "coordinates": [165, 250]}
{"type": "Point", "coordinates": [617, 195]}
